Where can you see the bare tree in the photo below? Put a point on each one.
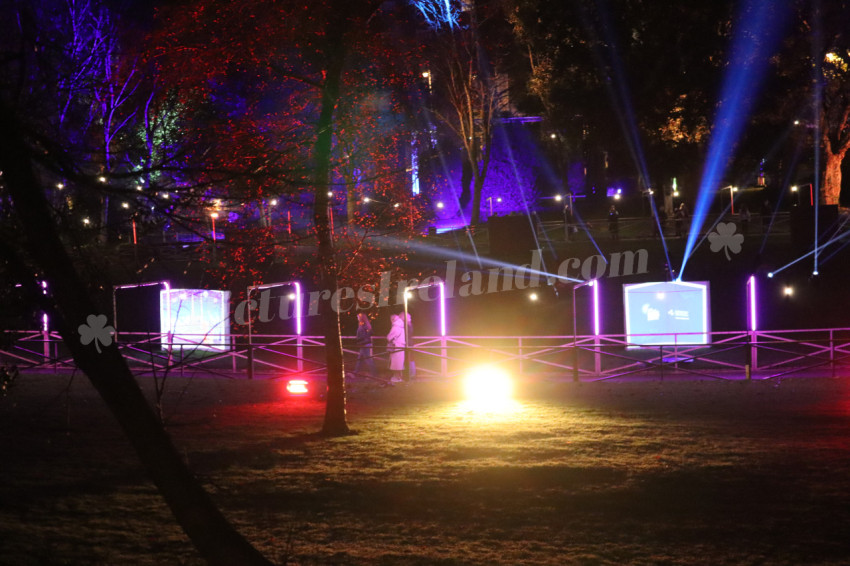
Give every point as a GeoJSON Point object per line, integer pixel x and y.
{"type": "Point", "coordinates": [469, 97]}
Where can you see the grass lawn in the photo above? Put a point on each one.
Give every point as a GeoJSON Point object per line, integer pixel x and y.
{"type": "Point", "coordinates": [673, 472]}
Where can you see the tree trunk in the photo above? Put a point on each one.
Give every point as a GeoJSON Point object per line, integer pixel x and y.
{"type": "Point", "coordinates": [213, 536]}
{"type": "Point", "coordinates": [831, 189]}
{"type": "Point", "coordinates": [335, 419]}
{"type": "Point", "coordinates": [478, 184]}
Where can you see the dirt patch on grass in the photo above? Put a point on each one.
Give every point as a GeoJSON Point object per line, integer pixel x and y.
{"type": "Point", "coordinates": [598, 473]}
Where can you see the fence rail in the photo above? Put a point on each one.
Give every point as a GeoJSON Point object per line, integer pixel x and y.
{"type": "Point", "coordinates": [729, 355]}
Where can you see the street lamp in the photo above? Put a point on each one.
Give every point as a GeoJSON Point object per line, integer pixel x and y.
{"type": "Point", "coordinates": [442, 297]}
{"type": "Point", "coordinates": [490, 202]}
{"type": "Point", "coordinates": [596, 322]}
{"type": "Point", "coordinates": [213, 216]}
{"type": "Point", "coordinates": [732, 191]}
{"type": "Point", "coordinates": [295, 297]}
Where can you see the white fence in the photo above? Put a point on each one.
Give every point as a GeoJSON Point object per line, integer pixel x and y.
{"type": "Point", "coordinates": [729, 355]}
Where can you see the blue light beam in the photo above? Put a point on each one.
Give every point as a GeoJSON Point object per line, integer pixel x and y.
{"type": "Point", "coordinates": [760, 26]}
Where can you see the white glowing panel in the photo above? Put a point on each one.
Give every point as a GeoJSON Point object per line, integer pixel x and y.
{"type": "Point", "coordinates": [195, 317]}
{"type": "Point", "coordinates": [673, 312]}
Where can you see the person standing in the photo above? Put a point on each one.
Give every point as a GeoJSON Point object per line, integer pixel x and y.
{"type": "Point", "coordinates": [679, 221]}
{"type": "Point", "coordinates": [365, 365]}
{"type": "Point", "coordinates": [395, 347]}
{"type": "Point", "coordinates": [569, 219]}
{"type": "Point", "coordinates": [614, 222]}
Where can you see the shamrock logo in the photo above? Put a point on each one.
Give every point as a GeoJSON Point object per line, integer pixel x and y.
{"type": "Point", "coordinates": [96, 330]}
{"type": "Point", "coordinates": [726, 239]}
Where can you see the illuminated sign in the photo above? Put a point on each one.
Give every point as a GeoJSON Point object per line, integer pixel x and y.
{"type": "Point", "coordinates": [667, 313]}
{"type": "Point", "coordinates": [195, 317]}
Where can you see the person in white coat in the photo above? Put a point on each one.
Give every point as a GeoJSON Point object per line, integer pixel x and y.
{"type": "Point", "coordinates": [395, 347]}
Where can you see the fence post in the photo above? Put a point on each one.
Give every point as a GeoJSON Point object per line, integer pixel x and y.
{"type": "Point", "coordinates": [299, 351]}
{"type": "Point", "coordinates": [597, 356]}
{"type": "Point", "coordinates": [45, 337]}
{"type": "Point", "coordinates": [233, 353]}
{"type": "Point", "coordinates": [444, 360]}
{"type": "Point", "coordinates": [661, 360]}
{"type": "Point", "coordinates": [575, 359]}
{"type": "Point", "coordinates": [831, 352]}
{"type": "Point", "coordinates": [754, 354]}
{"type": "Point", "coordinates": [519, 353]}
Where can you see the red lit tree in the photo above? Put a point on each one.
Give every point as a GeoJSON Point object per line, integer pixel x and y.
{"type": "Point", "coordinates": [318, 86]}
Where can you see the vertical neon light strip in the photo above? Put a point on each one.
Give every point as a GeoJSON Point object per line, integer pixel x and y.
{"type": "Point", "coordinates": [751, 299]}
{"type": "Point", "coordinates": [442, 285]}
{"type": "Point", "coordinates": [297, 307]}
{"type": "Point", "coordinates": [595, 285]}
{"type": "Point", "coordinates": [44, 319]}
{"type": "Point", "coordinates": [168, 309]}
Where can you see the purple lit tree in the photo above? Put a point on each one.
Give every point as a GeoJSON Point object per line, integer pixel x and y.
{"type": "Point", "coordinates": [469, 94]}
{"type": "Point", "coordinates": [51, 72]}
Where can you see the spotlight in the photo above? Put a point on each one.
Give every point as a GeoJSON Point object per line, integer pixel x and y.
{"type": "Point", "coordinates": [440, 204]}
{"type": "Point", "coordinates": [788, 291]}
{"type": "Point", "coordinates": [558, 198]}
{"type": "Point", "coordinates": [366, 199]}
{"type": "Point", "coordinates": [533, 296]}
{"type": "Point", "coordinates": [298, 387]}
{"type": "Point", "coordinates": [273, 202]}
{"type": "Point", "coordinates": [488, 386]}
{"type": "Point", "coordinates": [770, 275]}
{"type": "Point", "coordinates": [815, 273]}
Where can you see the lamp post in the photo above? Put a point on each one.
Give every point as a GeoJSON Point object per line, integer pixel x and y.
{"type": "Point", "coordinates": [213, 216]}
{"type": "Point", "coordinates": [591, 283]}
{"type": "Point", "coordinates": [490, 202]}
{"type": "Point", "coordinates": [407, 296]}
{"type": "Point", "coordinates": [297, 299]}
{"type": "Point", "coordinates": [796, 189]}
{"type": "Point", "coordinates": [166, 286]}
{"type": "Point", "coordinates": [732, 191]}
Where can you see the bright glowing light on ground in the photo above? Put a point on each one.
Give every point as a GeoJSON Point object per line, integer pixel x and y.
{"type": "Point", "coordinates": [297, 387]}
{"type": "Point", "coordinates": [488, 388]}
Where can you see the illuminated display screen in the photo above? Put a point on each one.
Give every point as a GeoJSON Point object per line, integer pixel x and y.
{"type": "Point", "coordinates": [196, 317]}
{"type": "Point", "coordinates": [664, 313]}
